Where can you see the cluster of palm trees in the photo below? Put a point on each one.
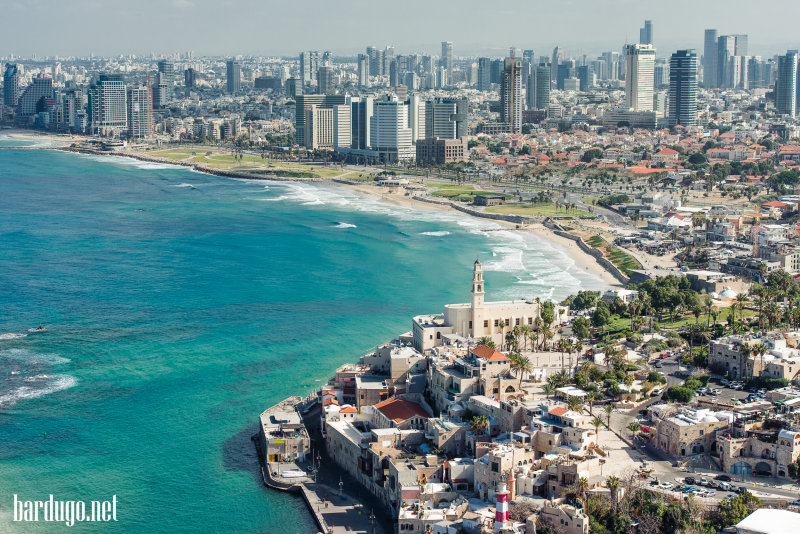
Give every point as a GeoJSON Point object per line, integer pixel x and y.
{"type": "Point", "coordinates": [521, 337]}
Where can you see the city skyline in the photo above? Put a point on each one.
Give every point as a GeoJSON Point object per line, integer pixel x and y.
{"type": "Point", "coordinates": [260, 32]}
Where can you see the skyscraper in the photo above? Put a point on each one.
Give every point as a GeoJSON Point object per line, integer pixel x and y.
{"type": "Point", "coordinates": [484, 73]}
{"type": "Point", "coordinates": [309, 65]}
{"type": "Point", "coordinates": [166, 69]}
{"type": "Point", "coordinates": [683, 88]}
{"type": "Point", "coordinates": [558, 56]}
{"type": "Point", "coordinates": [446, 60]}
{"type": "Point", "coordinates": [108, 106]}
{"type": "Point", "coordinates": [646, 33]}
{"type": "Point", "coordinates": [140, 112]}
{"type": "Point", "coordinates": [31, 97]}
{"type": "Point", "coordinates": [325, 83]}
{"type": "Point", "coordinates": [511, 94]}
{"type": "Point", "coordinates": [234, 76]}
{"type": "Point", "coordinates": [639, 63]}
{"type": "Point", "coordinates": [303, 104]}
{"type": "Point", "coordinates": [11, 85]}
{"type": "Point", "coordinates": [726, 48]}
{"type": "Point", "coordinates": [363, 70]}
{"type": "Point", "coordinates": [390, 134]}
{"type": "Point", "coordinates": [542, 87]}
{"type": "Point", "coordinates": [189, 77]}
{"type": "Point", "coordinates": [710, 59]}
{"type": "Point", "coordinates": [786, 94]}
{"type": "Point", "coordinates": [446, 118]}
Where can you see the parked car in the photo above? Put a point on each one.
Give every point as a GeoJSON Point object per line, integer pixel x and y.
{"type": "Point", "coordinates": [724, 486]}
{"type": "Point", "coordinates": [724, 478]}
{"type": "Point", "coordinates": [703, 481]}
{"type": "Point", "coordinates": [689, 480]}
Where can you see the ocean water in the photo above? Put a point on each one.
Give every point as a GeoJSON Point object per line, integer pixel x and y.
{"type": "Point", "coordinates": [180, 305]}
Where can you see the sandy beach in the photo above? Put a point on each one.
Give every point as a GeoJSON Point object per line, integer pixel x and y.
{"type": "Point", "coordinates": [584, 260]}
{"type": "Point", "coordinates": [397, 197]}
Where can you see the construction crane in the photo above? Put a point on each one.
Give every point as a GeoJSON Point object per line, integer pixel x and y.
{"type": "Point", "coordinates": [756, 223]}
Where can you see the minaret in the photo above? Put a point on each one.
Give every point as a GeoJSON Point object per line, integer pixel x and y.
{"type": "Point", "coordinates": [501, 523]}
{"type": "Point", "coordinates": [477, 329]}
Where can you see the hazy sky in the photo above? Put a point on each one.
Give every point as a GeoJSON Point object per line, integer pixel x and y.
{"type": "Point", "coordinates": [269, 27]}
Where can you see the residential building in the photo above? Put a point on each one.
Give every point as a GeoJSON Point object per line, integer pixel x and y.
{"type": "Point", "coordinates": [639, 62]}
{"type": "Point", "coordinates": [690, 432]}
{"type": "Point", "coordinates": [446, 60]}
{"type": "Point", "coordinates": [319, 129]}
{"type": "Point", "coordinates": [542, 87]}
{"type": "Point", "coordinates": [140, 112]}
{"type": "Point", "coordinates": [363, 70]}
{"type": "Point", "coordinates": [786, 94]}
{"type": "Point", "coordinates": [166, 71]}
{"type": "Point", "coordinates": [190, 78]}
{"type": "Point", "coordinates": [683, 88]}
{"type": "Point", "coordinates": [309, 66]}
{"type": "Point", "coordinates": [446, 118]}
{"type": "Point", "coordinates": [390, 135]}
{"type": "Point", "coordinates": [511, 94]}
{"type": "Point", "coordinates": [303, 104]}
{"type": "Point", "coordinates": [108, 108]}
{"type": "Point", "coordinates": [30, 100]}
{"type": "Point", "coordinates": [11, 89]}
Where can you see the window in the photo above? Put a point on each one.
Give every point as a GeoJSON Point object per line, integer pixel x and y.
{"type": "Point", "coordinates": [470, 325]}
{"type": "Point", "coordinates": [497, 322]}
{"type": "Point", "coordinates": [486, 323]}
{"type": "Point", "coordinates": [530, 320]}
{"type": "Point", "coordinates": [516, 322]}
{"type": "Point", "coordinates": [495, 467]}
{"type": "Point", "coordinates": [438, 335]}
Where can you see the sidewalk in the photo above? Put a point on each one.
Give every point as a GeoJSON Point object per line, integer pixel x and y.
{"type": "Point", "coordinates": [339, 515]}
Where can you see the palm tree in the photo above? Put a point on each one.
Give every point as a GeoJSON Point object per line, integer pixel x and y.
{"type": "Point", "coordinates": [609, 409]}
{"type": "Point", "coordinates": [761, 350]}
{"type": "Point", "coordinates": [613, 483]}
{"type": "Point", "coordinates": [634, 427]}
{"type": "Point", "coordinates": [597, 423]}
{"type": "Point", "coordinates": [486, 340]}
{"type": "Point", "coordinates": [520, 365]}
{"type": "Point", "coordinates": [547, 334]}
{"type": "Point", "coordinates": [741, 298]}
{"type": "Point", "coordinates": [591, 396]}
{"type": "Point", "coordinates": [744, 354]}
{"type": "Point", "coordinates": [583, 486]}
{"type": "Point", "coordinates": [578, 346]}
{"type": "Point", "coordinates": [480, 425]}
{"type": "Point", "coordinates": [708, 304]}
{"type": "Point", "coordinates": [562, 348]}
{"type": "Point", "coordinates": [575, 404]}
{"type": "Point", "coordinates": [548, 390]}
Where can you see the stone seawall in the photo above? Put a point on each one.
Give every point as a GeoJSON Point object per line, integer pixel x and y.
{"type": "Point", "coordinates": [604, 262]}
{"type": "Point", "coordinates": [516, 219]}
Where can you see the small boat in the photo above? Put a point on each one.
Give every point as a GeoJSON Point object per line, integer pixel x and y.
{"type": "Point", "coordinates": [39, 328]}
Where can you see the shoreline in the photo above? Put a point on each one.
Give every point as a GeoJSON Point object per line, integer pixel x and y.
{"type": "Point", "coordinates": [581, 258]}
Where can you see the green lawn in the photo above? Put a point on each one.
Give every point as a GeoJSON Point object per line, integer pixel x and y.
{"type": "Point", "coordinates": [544, 210]}
{"type": "Point", "coordinates": [622, 260]}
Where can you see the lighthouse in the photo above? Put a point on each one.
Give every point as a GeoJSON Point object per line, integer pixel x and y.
{"type": "Point", "coordinates": [501, 510]}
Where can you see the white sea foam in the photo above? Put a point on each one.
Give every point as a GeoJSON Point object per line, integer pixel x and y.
{"type": "Point", "coordinates": [441, 233]}
{"type": "Point", "coordinates": [27, 356]}
{"type": "Point", "coordinates": [184, 185]}
{"type": "Point", "coordinates": [12, 335]}
{"type": "Point", "coordinates": [37, 386]}
{"type": "Point", "coordinates": [541, 268]}
{"type": "Point", "coordinates": [131, 162]}
{"type": "Point", "coordinates": [345, 225]}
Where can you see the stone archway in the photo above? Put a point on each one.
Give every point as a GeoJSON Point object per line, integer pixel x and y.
{"type": "Point", "coordinates": [741, 468]}
{"type": "Point", "coordinates": [763, 469]}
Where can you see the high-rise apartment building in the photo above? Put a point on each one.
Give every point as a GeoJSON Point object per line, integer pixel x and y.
{"type": "Point", "coordinates": [166, 70]}
{"type": "Point", "coordinates": [108, 106]}
{"type": "Point", "coordinates": [646, 33]}
{"type": "Point", "coordinates": [361, 109]}
{"type": "Point", "coordinates": [140, 113]}
{"type": "Point", "coordinates": [160, 93]}
{"type": "Point", "coordinates": [11, 85]}
{"type": "Point", "coordinates": [558, 57]}
{"type": "Point", "coordinates": [325, 85]}
{"type": "Point", "coordinates": [446, 60]}
{"type": "Point", "coordinates": [234, 76]}
{"type": "Point", "coordinates": [786, 94]}
{"type": "Point", "coordinates": [683, 88]}
{"type": "Point", "coordinates": [639, 66]}
{"type": "Point", "coordinates": [29, 100]}
{"type": "Point", "coordinates": [710, 58]}
{"type": "Point", "coordinates": [511, 94]}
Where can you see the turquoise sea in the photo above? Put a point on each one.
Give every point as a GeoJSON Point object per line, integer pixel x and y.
{"type": "Point", "coordinates": [179, 305]}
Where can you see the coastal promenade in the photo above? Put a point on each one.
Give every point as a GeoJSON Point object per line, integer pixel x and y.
{"type": "Point", "coordinates": [336, 515]}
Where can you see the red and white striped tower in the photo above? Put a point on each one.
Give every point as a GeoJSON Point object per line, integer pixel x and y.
{"type": "Point", "coordinates": [501, 509]}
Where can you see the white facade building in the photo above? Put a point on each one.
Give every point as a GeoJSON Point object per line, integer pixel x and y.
{"type": "Point", "coordinates": [640, 65]}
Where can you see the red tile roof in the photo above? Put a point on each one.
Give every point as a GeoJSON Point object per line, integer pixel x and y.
{"type": "Point", "coordinates": [348, 409]}
{"type": "Point", "coordinates": [488, 353]}
{"type": "Point", "coordinates": [399, 410]}
{"type": "Point", "coordinates": [558, 411]}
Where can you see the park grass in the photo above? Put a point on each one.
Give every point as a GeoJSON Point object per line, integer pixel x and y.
{"type": "Point", "coordinates": [547, 209]}
{"type": "Point", "coordinates": [622, 260]}
{"type": "Point", "coordinates": [682, 321]}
